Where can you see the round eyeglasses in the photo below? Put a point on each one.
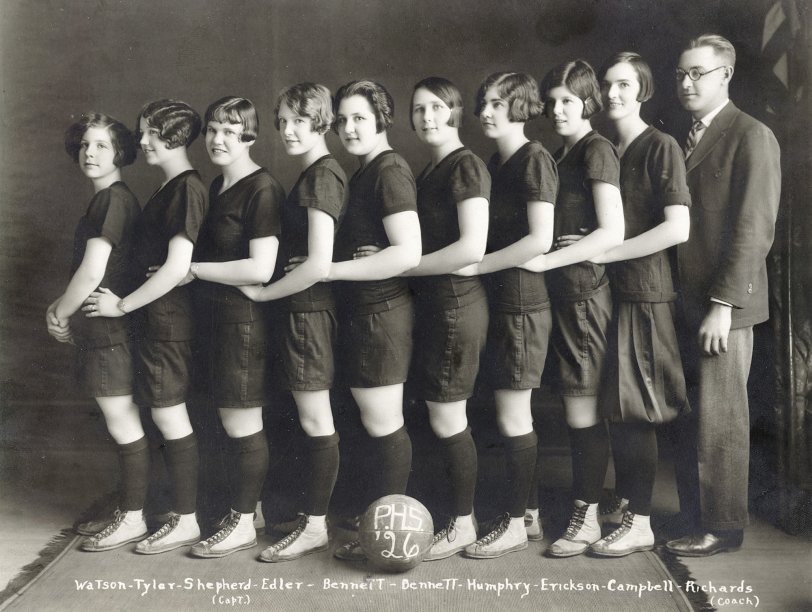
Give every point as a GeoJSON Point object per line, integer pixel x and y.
{"type": "Point", "coordinates": [694, 73]}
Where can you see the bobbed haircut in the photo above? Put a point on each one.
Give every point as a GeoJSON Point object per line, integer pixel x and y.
{"type": "Point", "coordinates": [178, 124]}
{"type": "Point", "coordinates": [123, 140]}
{"type": "Point", "coordinates": [447, 92]}
{"type": "Point", "coordinates": [579, 77]}
{"type": "Point", "coordinates": [641, 68]}
{"type": "Point", "coordinates": [237, 111]}
{"type": "Point", "coordinates": [309, 100]}
{"type": "Point", "coordinates": [721, 46]}
{"type": "Point", "coordinates": [383, 106]}
{"type": "Point", "coordinates": [519, 90]}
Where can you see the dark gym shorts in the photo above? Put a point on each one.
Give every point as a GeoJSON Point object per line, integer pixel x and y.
{"type": "Point", "coordinates": [377, 347]}
{"type": "Point", "coordinates": [517, 349]}
{"type": "Point", "coordinates": [448, 344]}
{"type": "Point", "coordinates": [307, 361]}
{"type": "Point", "coordinates": [105, 371]}
{"type": "Point", "coordinates": [237, 355]}
{"type": "Point", "coordinates": [163, 372]}
{"type": "Point", "coordinates": [580, 340]}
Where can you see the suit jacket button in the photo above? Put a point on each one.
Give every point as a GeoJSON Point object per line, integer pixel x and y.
{"type": "Point", "coordinates": [750, 288]}
{"type": "Point", "coordinates": [717, 174]}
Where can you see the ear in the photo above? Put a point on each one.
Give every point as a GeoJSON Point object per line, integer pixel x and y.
{"type": "Point", "coordinates": [729, 72]}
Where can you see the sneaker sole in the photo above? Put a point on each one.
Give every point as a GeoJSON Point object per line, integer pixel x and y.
{"type": "Point", "coordinates": [222, 553]}
{"type": "Point", "coordinates": [445, 555]}
{"type": "Point", "coordinates": [114, 546]}
{"type": "Point", "coordinates": [620, 553]}
{"type": "Point", "coordinates": [567, 553]}
{"type": "Point", "coordinates": [167, 547]}
{"type": "Point", "coordinates": [318, 549]}
{"type": "Point", "coordinates": [495, 554]}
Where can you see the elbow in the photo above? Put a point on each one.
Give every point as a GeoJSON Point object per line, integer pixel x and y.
{"type": "Point", "coordinates": [682, 234]}
{"type": "Point", "coordinates": [616, 237]}
{"type": "Point", "coordinates": [412, 255]}
{"type": "Point", "coordinates": [321, 269]}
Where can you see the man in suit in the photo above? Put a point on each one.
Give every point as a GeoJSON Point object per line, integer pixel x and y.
{"type": "Point", "coordinates": [734, 177]}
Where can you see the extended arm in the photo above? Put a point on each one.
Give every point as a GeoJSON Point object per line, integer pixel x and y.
{"type": "Point", "coordinates": [472, 215]}
{"type": "Point", "coordinates": [314, 268]}
{"type": "Point", "coordinates": [674, 229]}
{"type": "Point", "coordinates": [257, 268]}
{"type": "Point", "coordinates": [86, 278]}
{"type": "Point", "coordinates": [403, 252]}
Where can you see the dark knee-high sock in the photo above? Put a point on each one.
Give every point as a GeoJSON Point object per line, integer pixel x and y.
{"type": "Point", "coordinates": [590, 458]}
{"type": "Point", "coordinates": [182, 463]}
{"type": "Point", "coordinates": [134, 464]}
{"type": "Point", "coordinates": [520, 452]}
{"type": "Point", "coordinates": [636, 458]}
{"type": "Point", "coordinates": [394, 458]}
{"type": "Point", "coordinates": [622, 477]}
{"type": "Point", "coordinates": [461, 465]}
{"type": "Point", "coordinates": [533, 496]}
{"type": "Point", "coordinates": [250, 456]}
{"type": "Point", "coordinates": [322, 454]}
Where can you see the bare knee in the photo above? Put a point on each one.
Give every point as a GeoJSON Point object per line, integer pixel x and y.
{"type": "Point", "coordinates": [173, 421]}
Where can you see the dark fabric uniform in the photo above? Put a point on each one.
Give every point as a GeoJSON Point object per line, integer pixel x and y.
{"type": "Point", "coordinates": [452, 311]}
{"type": "Point", "coordinates": [520, 306]}
{"type": "Point", "coordinates": [582, 302]}
{"type": "Point", "coordinates": [167, 324]}
{"type": "Point", "coordinates": [376, 316]}
{"type": "Point", "coordinates": [310, 332]}
{"type": "Point", "coordinates": [644, 380]}
{"type": "Point", "coordinates": [235, 328]}
{"type": "Point", "coordinates": [103, 343]}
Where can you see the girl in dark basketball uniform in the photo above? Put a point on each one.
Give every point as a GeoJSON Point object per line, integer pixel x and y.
{"type": "Point", "coordinates": [521, 227]}
{"type": "Point", "coordinates": [644, 384]}
{"type": "Point", "coordinates": [310, 217]}
{"type": "Point", "coordinates": [452, 311]}
{"type": "Point", "coordinates": [588, 198]}
{"type": "Point", "coordinates": [101, 146]}
{"type": "Point", "coordinates": [165, 236]}
{"type": "Point", "coordinates": [237, 246]}
{"type": "Point", "coordinates": [377, 323]}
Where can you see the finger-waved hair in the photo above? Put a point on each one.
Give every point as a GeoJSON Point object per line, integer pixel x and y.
{"type": "Point", "coordinates": [177, 123]}
{"type": "Point", "coordinates": [579, 77]}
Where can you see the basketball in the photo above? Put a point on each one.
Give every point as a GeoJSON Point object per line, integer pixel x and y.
{"type": "Point", "coordinates": [396, 532]}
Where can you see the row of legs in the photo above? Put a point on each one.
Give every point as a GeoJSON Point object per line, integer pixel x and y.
{"type": "Point", "coordinates": [635, 453]}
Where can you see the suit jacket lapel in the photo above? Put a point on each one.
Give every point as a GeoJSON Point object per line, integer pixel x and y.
{"type": "Point", "coordinates": [715, 132]}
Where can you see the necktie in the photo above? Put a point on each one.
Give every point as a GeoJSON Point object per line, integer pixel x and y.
{"type": "Point", "coordinates": [693, 137]}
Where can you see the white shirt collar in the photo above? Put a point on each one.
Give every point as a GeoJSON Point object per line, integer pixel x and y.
{"type": "Point", "coordinates": [712, 115]}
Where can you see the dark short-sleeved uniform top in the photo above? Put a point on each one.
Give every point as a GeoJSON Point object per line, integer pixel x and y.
{"type": "Point", "coordinates": [461, 175]}
{"type": "Point", "coordinates": [528, 176]}
{"type": "Point", "coordinates": [322, 186]}
{"type": "Point", "coordinates": [652, 176]}
{"type": "Point", "coordinates": [593, 158]}
{"type": "Point", "coordinates": [112, 214]}
{"type": "Point", "coordinates": [247, 210]}
{"type": "Point", "coordinates": [385, 186]}
{"type": "Point", "coordinates": [176, 208]}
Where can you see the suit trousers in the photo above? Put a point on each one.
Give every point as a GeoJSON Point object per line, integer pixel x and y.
{"type": "Point", "coordinates": [713, 452]}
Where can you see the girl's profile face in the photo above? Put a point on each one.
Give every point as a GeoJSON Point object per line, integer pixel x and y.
{"type": "Point", "coordinates": [224, 144]}
{"type": "Point", "coordinates": [493, 116]}
{"type": "Point", "coordinates": [620, 89]}
{"type": "Point", "coordinates": [296, 131]}
{"type": "Point", "coordinates": [97, 153]}
{"type": "Point", "coordinates": [356, 126]}
{"type": "Point", "coordinates": [153, 147]}
{"type": "Point", "coordinates": [430, 116]}
{"type": "Point", "coordinates": [566, 110]}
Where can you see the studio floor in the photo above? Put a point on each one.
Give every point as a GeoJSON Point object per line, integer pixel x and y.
{"type": "Point", "coordinates": [56, 461]}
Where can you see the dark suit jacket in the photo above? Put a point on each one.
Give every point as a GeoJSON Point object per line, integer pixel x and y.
{"type": "Point", "coordinates": [734, 176]}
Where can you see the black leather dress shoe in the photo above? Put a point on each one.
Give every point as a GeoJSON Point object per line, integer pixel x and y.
{"type": "Point", "coordinates": [706, 544]}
